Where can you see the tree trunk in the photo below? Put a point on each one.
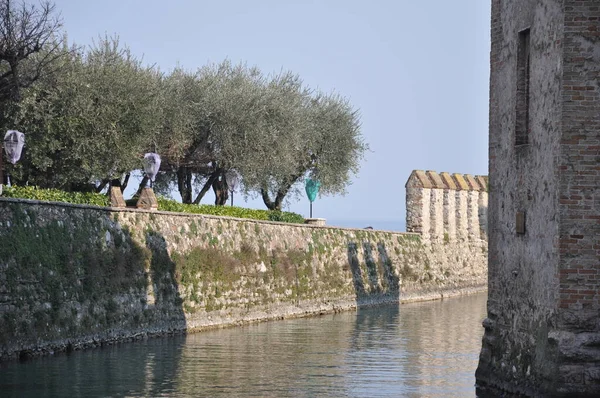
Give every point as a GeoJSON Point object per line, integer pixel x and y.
{"type": "Point", "coordinates": [142, 186]}
{"type": "Point", "coordinates": [274, 204]}
{"type": "Point", "coordinates": [184, 183]}
{"type": "Point", "coordinates": [125, 182]}
{"type": "Point", "coordinates": [220, 188]}
{"type": "Point", "coordinates": [102, 185]}
{"type": "Point", "coordinates": [206, 187]}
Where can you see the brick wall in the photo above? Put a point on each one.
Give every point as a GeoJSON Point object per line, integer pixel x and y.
{"type": "Point", "coordinates": [579, 201]}
{"type": "Point", "coordinates": [580, 163]}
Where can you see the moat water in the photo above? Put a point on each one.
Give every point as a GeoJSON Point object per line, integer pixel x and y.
{"type": "Point", "coordinates": [425, 349]}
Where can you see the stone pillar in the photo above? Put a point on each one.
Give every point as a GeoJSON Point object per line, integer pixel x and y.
{"type": "Point", "coordinates": [418, 197]}
{"type": "Point", "coordinates": [449, 206]}
{"type": "Point", "coordinates": [147, 200]}
{"type": "Point", "coordinates": [462, 195]}
{"type": "Point", "coordinates": [436, 209]}
{"type": "Point", "coordinates": [473, 208]}
{"type": "Point", "coordinates": [483, 206]}
{"type": "Point", "coordinates": [116, 197]}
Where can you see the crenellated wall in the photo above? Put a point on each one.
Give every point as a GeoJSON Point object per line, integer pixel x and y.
{"type": "Point", "coordinates": [447, 207]}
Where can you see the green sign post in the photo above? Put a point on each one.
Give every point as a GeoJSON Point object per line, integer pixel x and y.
{"type": "Point", "coordinates": [312, 188]}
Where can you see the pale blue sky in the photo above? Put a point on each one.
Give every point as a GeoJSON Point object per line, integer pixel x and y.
{"type": "Point", "coordinates": [417, 70]}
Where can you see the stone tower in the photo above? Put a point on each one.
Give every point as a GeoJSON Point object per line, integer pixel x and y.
{"type": "Point", "coordinates": [542, 333]}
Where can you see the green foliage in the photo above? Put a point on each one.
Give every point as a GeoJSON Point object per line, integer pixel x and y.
{"type": "Point", "coordinates": [229, 211]}
{"type": "Point", "coordinates": [95, 117]}
{"type": "Point", "coordinates": [55, 195]}
{"type": "Point", "coordinates": [284, 216]}
{"type": "Point", "coordinates": [89, 198]}
{"type": "Point", "coordinates": [91, 121]}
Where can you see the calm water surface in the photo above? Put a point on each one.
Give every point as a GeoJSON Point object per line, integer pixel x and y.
{"type": "Point", "coordinates": [413, 350]}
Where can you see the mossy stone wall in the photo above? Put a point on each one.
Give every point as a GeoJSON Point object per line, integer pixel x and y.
{"type": "Point", "coordinates": [77, 276]}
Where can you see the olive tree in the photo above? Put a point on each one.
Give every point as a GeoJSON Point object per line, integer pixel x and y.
{"type": "Point", "coordinates": [94, 120]}
{"type": "Point", "coordinates": [321, 139]}
{"type": "Point", "coordinates": [220, 103]}
{"type": "Point", "coordinates": [27, 51]}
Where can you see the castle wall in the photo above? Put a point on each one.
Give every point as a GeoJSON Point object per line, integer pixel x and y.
{"type": "Point", "coordinates": [543, 152]}
{"type": "Point", "coordinates": [447, 208]}
{"type": "Point", "coordinates": [74, 276]}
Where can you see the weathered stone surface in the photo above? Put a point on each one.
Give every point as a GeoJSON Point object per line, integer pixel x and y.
{"type": "Point", "coordinates": [80, 276]}
{"type": "Point", "coordinates": [419, 179]}
{"type": "Point", "coordinates": [446, 207]}
{"type": "Point", "coordinates": [435, 179]}
{"type": "Point", "coordinates": [461, 183]}
{"type": "Point", "coordinates": [116, 197]}
{"type": "Point", "coordinates": [448, 181]}
{"type": "Point", "coordinates": [544, 295]}
{"type": "Point", "coordinates": [147, 200]}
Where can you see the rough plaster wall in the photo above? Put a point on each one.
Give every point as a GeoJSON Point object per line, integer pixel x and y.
{"type": "Point", "coordinates": [579, 326]}
{"type": "Point", "coordinates": [523, 289]}
{"type": "Point", "coordinates": [117, 275]}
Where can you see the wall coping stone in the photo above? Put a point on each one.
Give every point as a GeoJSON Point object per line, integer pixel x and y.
{"type": "Point", "coordinates": [448, 181]}
{"type": "Point", "coordinates": [483, 181]}
{"type": "Point", "coordinates": [473, 183]}
{"type": "Point", "coordinates": [195, 215]}
{"type": "Point", "coordinates": [435, 179]}
{"type": "Point", "coordinates": [461, 184]}
{"type": "Point", "coordinates": [418, 179]}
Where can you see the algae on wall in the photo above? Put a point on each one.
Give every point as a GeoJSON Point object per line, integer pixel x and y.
{"type": "Point", "coordinates": [75, 276]}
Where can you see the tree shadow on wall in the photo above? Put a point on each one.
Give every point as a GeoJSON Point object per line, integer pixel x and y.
{"type": "Point", "coordinates": [163, 293]}
{"type": "Point", "coordinates": [80, 280]}
{"type": "Point", "coordinates": [375, 281]}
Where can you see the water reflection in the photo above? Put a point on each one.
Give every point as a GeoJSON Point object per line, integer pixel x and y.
{"type": "Point", "coordinates": [415, 350]}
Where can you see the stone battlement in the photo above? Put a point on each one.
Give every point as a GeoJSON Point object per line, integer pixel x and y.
{"type": "Point", "coordinates": [448, 207]}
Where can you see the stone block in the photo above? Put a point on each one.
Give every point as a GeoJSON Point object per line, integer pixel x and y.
{"type": "Point", "coordinates": [418, 179]}
{"type": "Point", "coordinates": [315, 221]}
{"type": "Point", "coordinates": [116, 197]}
{"type": "Point", "coordinates": [461, 184]}
{"type": "Point", "coordinates": [473, 183]}
{"type": "Point", "coordinates": [448, 181]}
{"type": "Point", "coordinates": [147, 200]}
{"type": "Point", "coordinates": [483, 182]}
{"type": "Point", "coordinates": [436, 180]}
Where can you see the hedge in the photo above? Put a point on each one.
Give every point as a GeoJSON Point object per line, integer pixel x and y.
{"type": "Point", "coordinates": [96, 199]}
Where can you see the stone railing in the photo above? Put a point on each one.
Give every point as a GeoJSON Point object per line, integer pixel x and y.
{"type": "Point", "coordinates": [447, 206]}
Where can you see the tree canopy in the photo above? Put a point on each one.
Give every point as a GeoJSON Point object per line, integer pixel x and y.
{"type": "Point", "coordinates": [91, 121]}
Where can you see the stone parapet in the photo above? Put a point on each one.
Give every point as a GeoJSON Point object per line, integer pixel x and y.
{"type": "Point", "coordinates": [444, 206]}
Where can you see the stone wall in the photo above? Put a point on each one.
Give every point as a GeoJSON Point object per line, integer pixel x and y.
{"type": "Point", "coordinates": [74, 276]}
{"type": "Point", "coordinates": [542, 330]}
{"type": "Point", "coordinates": [447, 207]}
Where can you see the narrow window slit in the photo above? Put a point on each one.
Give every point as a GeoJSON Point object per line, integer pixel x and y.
{"type": "Point", "coordinates": [523, 82]}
